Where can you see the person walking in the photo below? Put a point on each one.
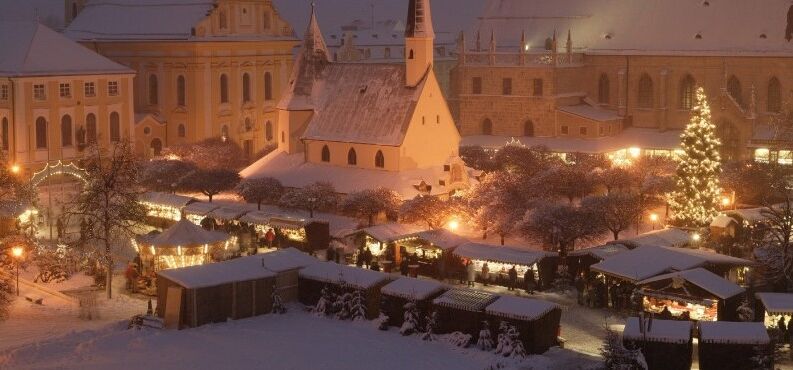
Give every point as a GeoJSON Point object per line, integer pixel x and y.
{"type": "Point", "coordinates": [485, 273]}
{"type": "Point", "coordinates": [269, 237]}
{"type": "Point", "coordinates": [513, 277]}
{"type": "Point", "coordinates": [528, 279]}
{"type": "Point", "coordinates": [404, 267]}
{"type": "Point", "coordinates": [471, 273]}
{"type": "Point", "coordinates": [359, 258]}
{"type": "Point", "coordinates": [367, 257]}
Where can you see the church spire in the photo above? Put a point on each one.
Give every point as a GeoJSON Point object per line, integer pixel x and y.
{"type": "Point", "coordinates": [313, 41]}
{"type": "Point", "coordinates": [419, 22]}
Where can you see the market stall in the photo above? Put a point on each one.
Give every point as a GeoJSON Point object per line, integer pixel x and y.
{"type": "Point", "coordinates": [665, 344]}
{"type": "Point", "coordinates": [731, 345]}
{"type": "Point", "coordinates": [501, 259]}
{"type": "Point", "coordinates": [396, 294]}
{"type": "Point", "coordinates": [774, 306]}
{"type": "Point", "coordinates": [385, 241]}
{"type": "Point", "coordinates": [578, 261]}
{"type": "Point", "coordinates": [162, 208]}
{"type": "Point", "coordinates": [695, 294]}
{"type": "Point", "coordinates": [287, 264]}
{"type": "Point", "coordinates": [227, 215]}
{"type": "Point", "coordinates": [341, 279]}
{"type": "Point", "coordinates": [197, 212]}
{"type": "Point", "coordinates": [431, 251]}
{"type": "Point", "coordinates": [462, 310]}
{"type": "Point", "coordinates": [537, 321]}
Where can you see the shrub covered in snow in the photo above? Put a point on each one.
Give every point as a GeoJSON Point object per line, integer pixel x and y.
{"type": "Point", "coordinates": [324, 306]}
{"type": "Point", "coordinates": [278, 304]}
{"type": "Point", "coordinates": [485, 341]}
{"type": "Point", "coordinates": [431, 327]}
{"type": "Point", "coordinates": [358, 306]}
{"type": "Point", "coordinates": [458, 339]}
{"type": "Point", "coordinates": [410, 324]}
{"type": "Point", "coordinates": [617, 357]}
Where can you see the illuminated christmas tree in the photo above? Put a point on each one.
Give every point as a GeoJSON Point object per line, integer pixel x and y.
{"type": "Point", "coordinates": [695, 201]}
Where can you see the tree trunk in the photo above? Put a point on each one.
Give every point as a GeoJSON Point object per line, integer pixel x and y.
{"type": "Point", "coordinates": [616, 234]}
{"type": "Point", "coordinates": [259, 205]}
{"type": "Point", "coordinates": [502, 239]}
{"type": "Point", "coordinates": [311, 212]}
{"type": "Point", "coordinates": [371, 220]}
{"type": "Point", "coordinates": [210, 197]}
{"type": "Point", "coordinates": [109, 277]}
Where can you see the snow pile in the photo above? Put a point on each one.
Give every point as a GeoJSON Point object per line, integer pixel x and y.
{"type": "Point", "coordinates": [667, 331]}
{"type": "Point", "coordinates": [335, 273]}
{"type": "Point", "coordinates": [519, 308]}
{"type": "Point", "coordinates": [733, 332]}
{"type": "Point", "coordinates": [704, 279]}
{"type": "Point", "coordinates": [486, 252]}
{"type": "Point", "coordinates": [777, 303]}
{"type": "Point", "coordinates": [464, 299]}
{"type": "Point", "coordinates": [286, 259]}
{"type": "Point", "coordinates": [722, 221]}
{"type": "Point", "coordinates": [214, 274]}
{"type": "Point", "coordinates": [413, 289]}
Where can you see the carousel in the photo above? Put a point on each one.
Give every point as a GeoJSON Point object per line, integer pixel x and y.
{"type": "Point", "coordinates": [183, 244]}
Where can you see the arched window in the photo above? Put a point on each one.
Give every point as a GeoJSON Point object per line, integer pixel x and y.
{"type": "Point", "coordinates": [268, 86]}
{"type": "Point", "coordinates": [730, 139]}
{"type": "Point", "coordinates": [181, 93]}
{"type": "Point", "coordinates": [487, 127]}
{"type": "Point", "coordinates": [156, 147]}
{"type": "Point", "coordinates": [645, 91]}
{"type": "Point", "coordinates": [266, 21]}
{"type": "Point", "coordinates": [687, 92]}
{"type": "Point", "coordinates": [410, 56]}
{"type": "Point", "coordinates": [248, 125]}
{"type": "Point", "coordinates": [223, 23]}
{"type": "Point", "coordinates": [268, 131]}
{"type": "Point", "coordinates": [90, 128]}
{"type": "Point", "coordinates": [246, 88]}
{"type": "Point", "coordinates": [181, 130]}
{"type": "Point", "coordinates": [379, 159]}
{"type": "Point", "coordinates": [5, 132]}
{"type": "Point", "coordinates": [283, 137]}
{"type": "Point", "coordinates": [154, 98]}
{"type": "Point", "coordinates": [224, 89]}
{"type": "Point", "coordinates": [774, 95]}
{"type": "Point", "coordinates": [115, 127]}
{"type": "Point", "coordinates": [352, 158]}
{"type": "Point", "coordinates": [66, 130]}
{"type": "Point", "coordinates": [41, 133]}
{"type": "Point", "coordinates": [325, 153]}
{"type": "Point", "coordinates": [528, 128]}
{"type": "Point", "coordinates": [734, 88]}
{"type": "Point", "coordinates": [224, 132]}
{"type": "Point", "coordinates": [604, 89]}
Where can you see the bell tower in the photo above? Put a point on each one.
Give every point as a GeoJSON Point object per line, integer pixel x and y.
{"type": "Point", "coordinates": [419, 41]}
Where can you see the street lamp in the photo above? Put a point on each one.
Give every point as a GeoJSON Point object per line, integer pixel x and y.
{"type": "Point", "coordinates": [654, 219]}
{"type": "Point", "coordinates": [17, 253]}
{"type": "Point", "coordinates": [696, 237]}
{"type": "Point", "coordinates": [725, 202]}
{"type": "Point", "coordinates": [15, 169]}
{"type": "Point", "coordinates": [453, 225]}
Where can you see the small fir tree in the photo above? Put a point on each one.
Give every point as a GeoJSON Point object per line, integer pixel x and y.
{"type": "Point", "coordinates": [324, 305]}
{"type": "Point", "coordinates": [278, 305]}
{"type": "Point", "coordinates": [411, 319]}
{"type": "Point", "coordinates": [502, 343]}
{"type": "Point", "coordinates": [696, 200]}
{"type": "Point", "coordinates": [485, 341]}
{"type": "Point", "coordinates": [518, 351]}
{"type": "Point", "coordinates": [343, 306]}
{"type": "Point", "coordinates": [431, 327]}
{"type": "Point", "coordinates": [358, 306]}
{"type": "Point", "coordinates": [745, 311]}
{"type": "Point", "coordinates": [617, 357]}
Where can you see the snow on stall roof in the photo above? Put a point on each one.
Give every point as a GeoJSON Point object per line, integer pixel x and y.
{"type": "Point", "coordinates": [487, 252]}
{"type": "Point", "coordinates": [722, 221]}
{"type": "Point", "coordinates": [389, 232]}
{"type": "Point", "coordinates": [335, 273]}
{"type": "Point", "coordinates": [465, 299]}
{"type": "Point", "coordinates": [184, 233]}
{"type": "Point", "coordinates": [520, 308]}
{"type": "Point", "coordinates": [704, 279]}
{"type": "Point", "coordinates": [441, 238]}
{"type": "Point", "coordinates": [645, 138]}
{"type": "Point", "coordinates": [200, 208]}
{"type": "Point", "coordinates": [412, 288]}
{"type": "Point", "coordinates": [257, 217]}
{"type": "Point", "coordinates": [733, 332]}
{"type": "Point", "coordinates": [228, 213]}
{"type": "Point", "coordinates": [645, 262]}
{"type": "Point", "coordinates": [669, 237]}
{"type": "Point", "coordinates": [667, 331]}
{"type": "Point", "coordinates": [214, 274]}
{"type": "Point", "coordinates": [776, 303]}
{"type": "Point", "coordinates": [590, 112]}
{"type": "Point", "coordinates": [600, 252]}
{"type": "Point", "coordinates": [751, 215]}
{"type": "Point", "coordinates": [172, 200]}
{"type": "Point", "coordinates": [32, 49]}
{"type": "Point", "coordinates": [286, 259]}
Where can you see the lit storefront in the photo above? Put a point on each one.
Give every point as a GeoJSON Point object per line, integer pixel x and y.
{"type": "Point", "coordinates": [164, 206]}
{"type": "Point", "coordinates": [695, 294]}
{"type": "Point", "coordinates": [775, 306]}
{"type": "Point", "coordinates": [183, 244]}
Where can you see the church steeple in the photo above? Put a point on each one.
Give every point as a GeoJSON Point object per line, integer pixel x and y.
{"type": "Point", "coordinates": [313, 41]}
{"type": "Point", "coordinates": [419, 41]}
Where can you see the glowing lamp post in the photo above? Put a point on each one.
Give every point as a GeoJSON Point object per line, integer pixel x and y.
{"type": "Point", "coordinates": [453, 225]}
{"type": "Point", "coordinates": [15, 169]}
{"type": "Point", "coordinates": [17, 253]}
{"type": "Point", "coordinates": [696, 237]}
{"type": "Point", "coordinates": [654, 219]}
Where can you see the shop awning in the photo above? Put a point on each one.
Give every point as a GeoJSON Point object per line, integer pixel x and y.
{"type": "Point", "coordinates": [777, 303]}
{"type": "Point", "coordinates": [200, 208]}
{"type": "Point", "coordinates": [165, 199]}
{"type": "Point", "coordinates": [506, 255]}
{"type": "Point", "coordinates": [708, 281]}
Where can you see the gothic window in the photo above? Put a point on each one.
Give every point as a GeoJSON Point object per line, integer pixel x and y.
{"type": "Point", "coordinates": [246, 88]}
{"type": "Point", "coordinates": [153, 93]}
{"type": "Point", "coordinates": [410, 56]}
{"type": "Point", "coordinates": [181, 131]}
{"type": "Point", "coordinates": [41, 133]}
{"type": "Point", "coordinates": [181, 93]}
{"type": "Point", "coordinates": [507, 86]}
{"type": "Point", "coordinates": [5, 132]}
{"type": "Point", "coordinates": [604, 89]}
{"type": "Point", "coordinates": [645, 91]}
{"type": "Point", "coordinates": [734, 88]}
{"type": "Point", "coordinates": [687, 92]}
{"type": "Point", "coordinates": [476, 85]}
{"type": "Point", "coordinates": [379, 159]}
{"type": "Point", "coordinates": [115, 127]}
{"type": "Point", "coordinates": [268, 86]}
{"type": "Point", "coordinates": [325, 153]}
{"type": "Point", "coordinates": [90, 124]}
{"type": "Point", "coordinates": [223, 21]}
{"type": "Point", "coordinates": [268, 131]}
{"type": "Point", "coordinates": [774, 95]}
{"type": "Point", "coordinates": [730, 141]}
{"type": "Point", "coordinates": [156, 147]}
{"type": "Point", "coordinates": [352, 158]}
{"type": "Point", "coordinates": [487, 127]}
{"type": "Point", "coordinates": [224, 88]}
{"type": "Point", "coordinates": [528, 128]}
{"type": "Point", "coordinates": [66, 130]}
{"type": "Point", "coordinates": [537, 91]}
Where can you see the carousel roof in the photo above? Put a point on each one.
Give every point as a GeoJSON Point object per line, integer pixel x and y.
{"type": "Point", "coordinates": [184, 233]}
{"type": "Point", "coordinates": [331, 272]}
{"type": "Point", "coordinates": [776, 303]}
{"type": "Point", "coordinates": [411, 288]}
{"type": "Point", "coordinates": [733, 332]}
{"type": "Point", "coordinates": [667, 331]}
{"type": "Point", "coordinates": [214, 274]}
{"type": "Point", "coordinates": [520, 308]}
{"type": "Point", "coordinates": [702, 278]}
{"type": "Point", "coordinates": [286, 259]}
{"type": "Point", "coordinates": [465, 299]}
{"type": "Point", "coordinates": [486, 252]}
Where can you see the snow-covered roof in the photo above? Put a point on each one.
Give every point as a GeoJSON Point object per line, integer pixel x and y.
{"type": "Point", "coordinates": [228, 213]}
{"type": "Point", "coordinates": [184, 233]}
{"type": "Point", "coordinates": [669, 27]}
{"type": "Point", "coordinates": [389, 232]}
{"type": "Point", "coordinates": [733, 332]}
{"type": "Point", "coordinates": [214, 274]}
{"type": "Point", "coordinates": [465, 299]}
{"type": "Point", "coordinates": [441, 238]}
{"type": "Point", "coordinates": [520, 308]}
{"type": "Point", "coordinates": [293, 171]}
{"type": "Point", "coordinates": [600, 252]}
{"type": "Point", "coordinates": [412, 288]}
{"type": "Point", "coordinates": [776, 303]}
{"type": "Point", "coordinates": [32, 49]}
{"type": "Point", "coordinates": [335, 273]}
{"type": "Point", "coordinates": [486, 252]}
{"type": "Point", "coordinates": [200, 208]}
{"type": "Point", "coordinates": [667, 331]}
{"type": "Point", "coordinates": [722, 221]}
{"type": "Point", "coordinates": [286, 259]}
{"type": "Point", "coordinates": [702, 278]}
{"type": "Point", "coordinates": [590, 112]}
{"type": "Point", "coordinates": [751, 214]}
{"type": "Point", "coordinates": [648, 261]}
{"type": "Point", "coordinates": [257, 217]}
{"type": "Point", "coordinates": [669, 237]}
{"type": "Point", "coordinates": [644, 138]}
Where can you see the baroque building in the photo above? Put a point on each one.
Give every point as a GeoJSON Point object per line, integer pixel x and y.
{"type": "Point", "coordinates": [204, 68]}
{"type": "Point", "coordinates": [367, 125]}
{"type": "Point", "coordinates": [617, 77]}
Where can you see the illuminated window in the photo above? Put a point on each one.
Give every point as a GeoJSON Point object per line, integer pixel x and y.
{"type": "Point", "coordinates": [687, 92]}
{"type": "Point", "coordinates": [762, 155]}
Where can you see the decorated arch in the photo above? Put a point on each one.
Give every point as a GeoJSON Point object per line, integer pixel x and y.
{"type": "Point", "coordinates": [58, 168]}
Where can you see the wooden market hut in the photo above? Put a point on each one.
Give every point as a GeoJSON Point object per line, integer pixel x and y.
{"type": "Point", "coordinates": [197, 212]}
{"type": "Point", "coordinates": [772, 306]}
{"type": "Point", "coordinates": [462, 310]}
{"type": "Point", "coordinates": [536, 320]}
{"type": "Point", "coordinates": [287, 264]}
{"type": "Point", "coordinates": [163, 209]}
{"type": "Point", "coordinates": [432, 251]}
{"type": "Point", "coordinates": [579, 261]}
{"type": "Point", "coordinates": [304, 234]}
{"type": "Point", "coordinates": [500, 259]}
{"type": "Point", "coordinates": [384, 241]}
{"type": "Point", "coordinates": [665, 344]}
{"type": "Point", "coordinates": [704, 295]}
{"type": "Point", "coordinates": [341, 279]}
{"type": "Point", "coordinates": [197, 295]}
{"type": "Point", "coordinates": [181, 245]}
{"type": "Point", "coordinates": [730, 345]}
{"type": "Point", "coordinates": [227, 215]}
{"type": "Point", "coordinates": [397, 293]}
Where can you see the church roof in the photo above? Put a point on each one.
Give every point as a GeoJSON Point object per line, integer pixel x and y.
{"type": "Point", "coordinates": [31, 49]}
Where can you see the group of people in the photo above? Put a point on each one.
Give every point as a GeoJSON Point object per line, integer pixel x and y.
{"type": "Point", "coordinates": [594, 293]}
{"type": "Point", "coordinates": [529, 280]}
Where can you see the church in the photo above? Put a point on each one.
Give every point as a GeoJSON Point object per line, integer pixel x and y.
{"type": "Point", "coordinates": [367, 125]}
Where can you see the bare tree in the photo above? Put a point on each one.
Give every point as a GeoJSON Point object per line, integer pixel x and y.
{"type": "Point", "coordinates": [428, 209]}
{"type": "Point", "coordinates": [108, 207]}
{"type": "Point", "coordinates": [367, 204]}
{"type": "Point", "coordinates": [15, 192]}
{"type": "Point", "coordinates": [499, 202]}
{"type": "Point", "coordinates": [615, 212]}
{"type": "Point", "coordinates": [212, 153]}
{"type": "Point", "coordinates": [568, 181]}
{"type": "Point", "coordinates": [211, 182]}
{"type": "Point", "coordinates": [319, 196]}
{"type": "Point", "coordinates": [261, 190]}
{"type": "Point", "coordinates": [561, 225]}
{"type": "Point", "coordinates": [779, 222]}
{"type": "Point", "coordinates": [165, 175]}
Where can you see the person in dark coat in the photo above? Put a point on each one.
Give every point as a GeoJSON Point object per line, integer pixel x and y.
{"type": "Point", "coordinates": [579, 287]}
{"type": "Point", "coordinates": [665, 314]}
{"type": "Point", "coordinates": [359, 259]}
{"type": "Point", "coordinates": [403, 267]}
{"type": "Point", "coordinates": [513, 278]}
{"type": "Point", "coordinates": [367, 257]}
{"type": "Point", "coordinates": [781, 326]}
{"type": "Point", "coordinates": [528, 279]}
{"type": "Point", "coordinates": [329, 253]}
{"type": "Point", "coordinates": [375, 266]}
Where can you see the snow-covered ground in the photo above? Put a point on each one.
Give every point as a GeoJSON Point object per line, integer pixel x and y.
{"type": "Point", "coordinates": [296, 340]}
